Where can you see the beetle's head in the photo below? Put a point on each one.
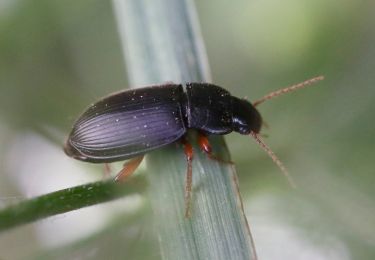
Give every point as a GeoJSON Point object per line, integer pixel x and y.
{"type": "Point", "coordinates": [245, 117]}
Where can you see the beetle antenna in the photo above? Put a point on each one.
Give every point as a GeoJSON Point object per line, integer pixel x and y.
{"type": "Point", "coordinates": [282, 91]}
{"type": "Point", "coordinates": [276, 160]}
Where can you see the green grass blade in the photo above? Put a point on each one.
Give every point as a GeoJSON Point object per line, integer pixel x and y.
{"type": "Point", "coordinates": [162, 43]}
{"type": "Point", "coordinates": [66, 200]}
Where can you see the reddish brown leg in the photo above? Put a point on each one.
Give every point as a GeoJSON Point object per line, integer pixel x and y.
{"type": "Point", "coordinates": [204, 144]}
{"type": "Point", "coordinates": [107, 170]}
{"type": "Point", "coordinates": [188, 150]}
{"type": "Point", "coordinates": [128, 169]}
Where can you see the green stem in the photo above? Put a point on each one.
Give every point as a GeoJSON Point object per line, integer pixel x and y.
{"type": "Point", "coordinates": [66, 200]}
{"type": "Point", "coordinates": [162, 43]}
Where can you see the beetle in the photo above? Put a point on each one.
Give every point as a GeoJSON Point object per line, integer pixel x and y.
{"type": "Point", "coordinates": [129, 124]}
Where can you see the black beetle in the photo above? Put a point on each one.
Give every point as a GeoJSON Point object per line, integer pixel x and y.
{"type": "Point", "coordinates": [128, 124]}
{"type": "Point", "coordinates": [133, 122]}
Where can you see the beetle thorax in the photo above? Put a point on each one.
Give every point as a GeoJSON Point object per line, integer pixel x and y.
{"type": "Point", "coordinates": [208, 108]}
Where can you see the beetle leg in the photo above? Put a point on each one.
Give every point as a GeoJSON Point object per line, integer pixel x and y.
{"type": "Point", "coordinates": [188, 150]}
{"type": "Point", "coordinates": [128, 169]}
{"type": "Point", "coordinates": [107, 170]}
{"type": "Point", "coordinates": [205, 145]}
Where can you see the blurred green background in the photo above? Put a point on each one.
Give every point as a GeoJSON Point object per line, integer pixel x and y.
{"type": "Point", "coordinates": [57, 57]}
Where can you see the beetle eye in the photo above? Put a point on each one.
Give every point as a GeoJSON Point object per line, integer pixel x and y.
{"type": "Point", "coordinates": [240, 127]}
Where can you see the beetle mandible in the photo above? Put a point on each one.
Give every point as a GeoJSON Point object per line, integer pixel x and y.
{"type": "Point", "coordinates": [128, 124]}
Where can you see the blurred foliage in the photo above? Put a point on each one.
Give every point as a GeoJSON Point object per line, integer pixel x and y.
{"type": "Point", "coordinates": [56, 57]}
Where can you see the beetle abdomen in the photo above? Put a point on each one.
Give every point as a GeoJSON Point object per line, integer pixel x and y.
{"type": "Point", "coordinates": [127, 124]}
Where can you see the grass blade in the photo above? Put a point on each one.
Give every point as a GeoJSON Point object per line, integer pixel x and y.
{"type": "Point", "coordinates": [162, 43]}
{"type": "Point", "coordinates": [66, 200]}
